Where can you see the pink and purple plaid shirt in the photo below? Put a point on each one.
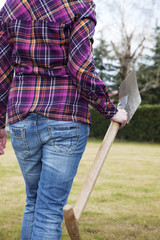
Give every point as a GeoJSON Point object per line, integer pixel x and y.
{"type": "Point", "coordinates": [46, 62]}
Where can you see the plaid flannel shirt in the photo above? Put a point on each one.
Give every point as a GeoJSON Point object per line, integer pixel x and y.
{"type": "Point", "coordinates": [46, 62]}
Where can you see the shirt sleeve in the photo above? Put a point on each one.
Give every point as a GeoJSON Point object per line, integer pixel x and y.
{"type": "Point", "coordinates": [82, 69]}
{"type": "Point", "coordinates": [6, 73]}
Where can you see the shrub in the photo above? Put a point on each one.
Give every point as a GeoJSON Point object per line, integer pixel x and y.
{"type": "Point", "coordinates": [143, 127]}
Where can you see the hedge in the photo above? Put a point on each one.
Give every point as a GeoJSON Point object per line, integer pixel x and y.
{"type": "Point", "coordinates": [143, 127]}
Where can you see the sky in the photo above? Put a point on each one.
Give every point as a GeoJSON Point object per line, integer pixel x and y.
{"type": "Point", "coordinates": [1, 3]}
{"type": "Point", "coordinates": [105, 15]}
{"type": "Point", "coordinates": [104, 12]}
{"type": "Point", "coordinates": [141, 16]}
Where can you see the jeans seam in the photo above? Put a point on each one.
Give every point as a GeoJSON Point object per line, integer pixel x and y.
{"type": "Point", "coordinates": [37, 134]}
{"type": "Point", "coordinates": [76, 143]}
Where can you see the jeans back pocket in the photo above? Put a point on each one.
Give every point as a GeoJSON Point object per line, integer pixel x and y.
{"type": "Point", "coordinates": [64, 139]}
{"type": "Point", "coordinates": [19, 143]}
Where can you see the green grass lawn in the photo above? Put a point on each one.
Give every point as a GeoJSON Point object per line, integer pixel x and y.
{"type": "Point", "coordinates": [124, 205]}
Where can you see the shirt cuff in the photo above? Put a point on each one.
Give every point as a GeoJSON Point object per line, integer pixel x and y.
{"type": "Point", "coordinates": [111, 110]}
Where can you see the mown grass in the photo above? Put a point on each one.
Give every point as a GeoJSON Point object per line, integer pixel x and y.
{"type": "Point", "coordinates": [124, 205]}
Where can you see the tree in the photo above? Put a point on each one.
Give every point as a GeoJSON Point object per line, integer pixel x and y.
{"type": "Point", "coordinates": [101, 55]}
{"type": "Point", "coordinates": [128, 34]}
{"type": "Point", "coordinates": [149, 74]}
{"type": "Point", "coordinates": [127, 30]}
{"type": "Point", "coordinates": [126, 56]}
{"type": "Point", "coordinates": [104, 65]}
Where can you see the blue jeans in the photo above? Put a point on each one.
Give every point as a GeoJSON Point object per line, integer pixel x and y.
{"type": "Point", "coordinates": [48, 153]}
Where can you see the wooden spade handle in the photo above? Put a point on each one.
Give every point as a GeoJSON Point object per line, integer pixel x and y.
{"type": "Point", "coordinates": [71, 223]}
{"type": "Point", "coordinates": [71, 215]}
{"type": "Point", "coordinates": [95, 169]}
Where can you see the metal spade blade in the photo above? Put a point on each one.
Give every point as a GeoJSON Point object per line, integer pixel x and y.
{"type": "Point", "coordinates": [129, 96]}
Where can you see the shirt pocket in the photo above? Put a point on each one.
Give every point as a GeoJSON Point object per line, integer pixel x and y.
{"type": "Point", "coordinates": [64, 139]}
{"type": "Point", "coordinates": [19, 142]}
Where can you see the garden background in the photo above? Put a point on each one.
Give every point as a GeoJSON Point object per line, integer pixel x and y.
{"type": "Point", "coordinates": [124, 204]}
